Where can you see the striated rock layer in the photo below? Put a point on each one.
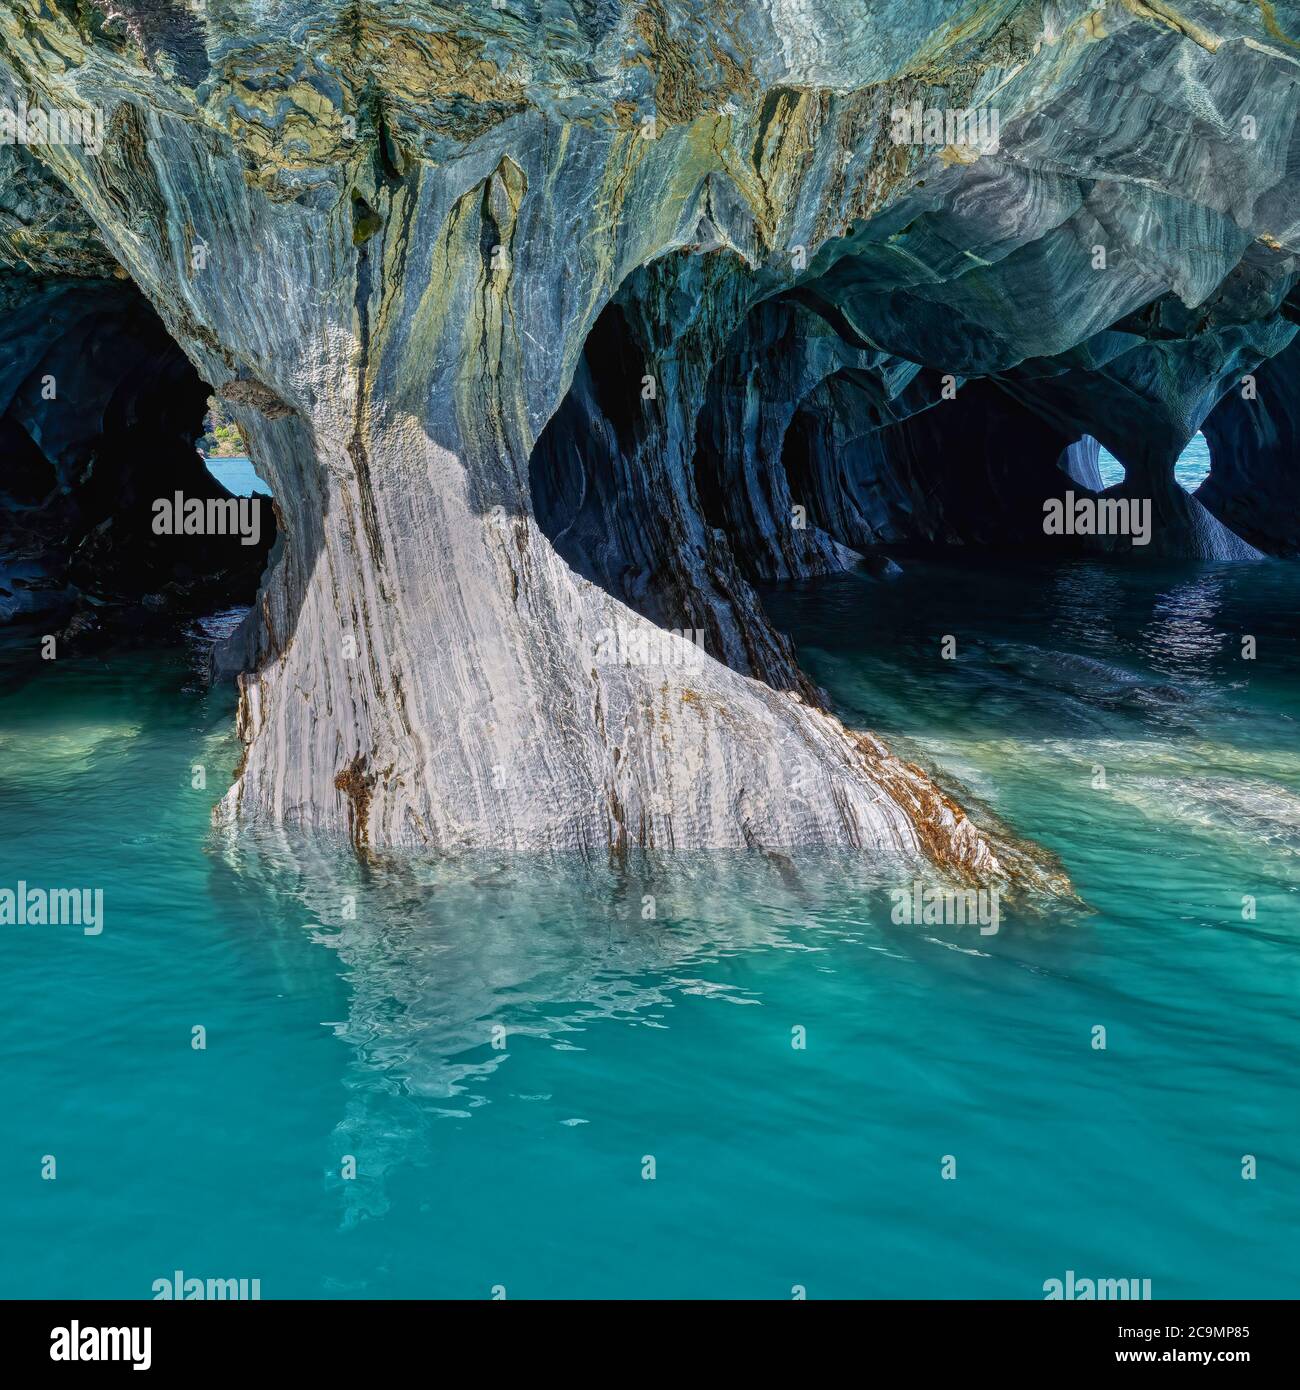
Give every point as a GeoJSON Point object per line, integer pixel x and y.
{"type": "Point", "coordinates": [554, 327]}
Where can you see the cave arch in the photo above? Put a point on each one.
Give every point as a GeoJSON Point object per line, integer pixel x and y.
{"type": "Point", "coordinates": [612, 475]}
{"type": "Point", "coordinates": [1191, 469]}
{"type": "Point", "coordinates": [1253, 435]}
{"type": "Point", "coordinates": [100, 410]}
{"type": "Point", "coordinates": [970, 469]}
{"type": "Point", "coordinates": [422, 633]}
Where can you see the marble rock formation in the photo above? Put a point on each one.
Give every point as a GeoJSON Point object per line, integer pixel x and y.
{"type": "Point", "coordinates": [99, 409]}
{"type": "Point", "coordinates": [1254, 488]}
{"type": "Point", "coordinates": [555, 326]}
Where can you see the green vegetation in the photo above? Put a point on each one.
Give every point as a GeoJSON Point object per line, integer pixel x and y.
{"type": "Point", "coordinates": [221, 438]}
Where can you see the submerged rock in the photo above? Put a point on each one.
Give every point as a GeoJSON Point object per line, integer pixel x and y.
{"type": "Point", "coordinates": [555, 328]}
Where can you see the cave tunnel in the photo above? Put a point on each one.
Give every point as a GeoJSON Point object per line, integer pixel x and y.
{"type": "Point", "coordinates": [798, 449]}
{"type": "Point", "coordinates": [100, 412]}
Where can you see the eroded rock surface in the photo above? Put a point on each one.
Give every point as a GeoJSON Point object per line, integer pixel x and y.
{"type": "Point", "coordinates": [99, 409]}
{"type": "Point", "coordinates": [409, 242]}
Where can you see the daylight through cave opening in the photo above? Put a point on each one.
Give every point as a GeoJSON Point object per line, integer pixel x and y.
{"type": "Point", "coordinates": [1193, 466]}
{"type": "Point", "coordinates": [110, 524]}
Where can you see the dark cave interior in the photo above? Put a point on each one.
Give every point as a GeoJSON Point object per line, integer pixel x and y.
{"type": "Point", "coordinates": [99, 414]}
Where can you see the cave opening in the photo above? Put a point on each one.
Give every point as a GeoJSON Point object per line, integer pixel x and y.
{"type": "Point", "coordinates": [886, 476]}
{"type": "Point", "coordinates": [111, 525]}
{"type": "Point", "coordinates": [614, 488]}
{"type": "Point", "coordinates": [1193, 467]}
{"type": "Point", "coordinates": [586, 498]}
{"type": "Point", "coordinates": [681, 481]}
{"type": "Point", "coordinates": [1254, 436]}
{"type": "Point", "coordinates": [710, 446]}
{"type": "Point", "coordinates": [226, 455]}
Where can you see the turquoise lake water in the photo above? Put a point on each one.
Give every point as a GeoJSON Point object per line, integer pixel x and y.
{"type": "Point", "coordinates": [237, 475]}
{"type": "Point", "coordinates": [1191, 470]}
{"type": "Point", "coordinates": [521, 1167]}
